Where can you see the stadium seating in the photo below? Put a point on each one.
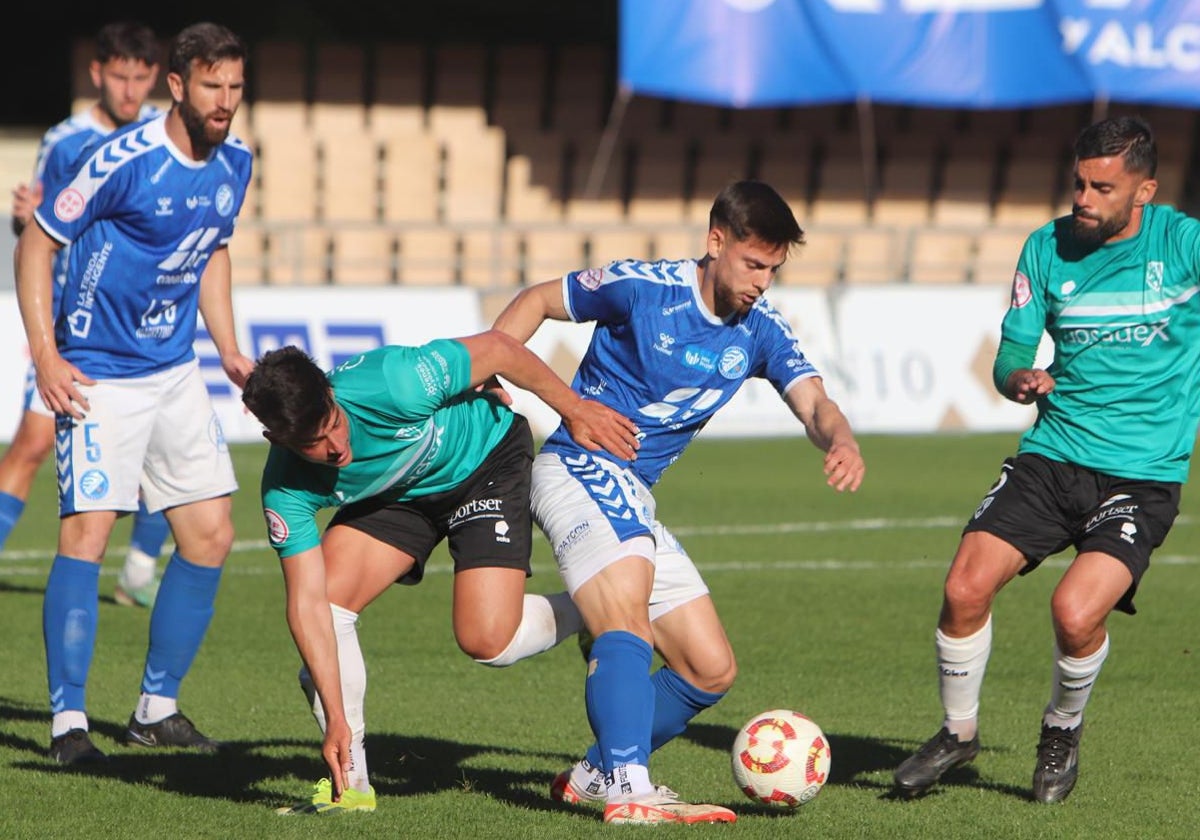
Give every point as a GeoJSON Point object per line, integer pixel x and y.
{"type": "Point", "coordinates": [495, 166]}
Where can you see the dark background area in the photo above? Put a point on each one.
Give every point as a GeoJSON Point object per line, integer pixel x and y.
{"type": "Point", "coordinates": [39, 92]}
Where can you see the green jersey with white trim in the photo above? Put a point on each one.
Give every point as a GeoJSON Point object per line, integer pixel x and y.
{"type": "Point", "coordinates": [1125, 321]}
{"type": "Point", "coordinates": [417, 427]}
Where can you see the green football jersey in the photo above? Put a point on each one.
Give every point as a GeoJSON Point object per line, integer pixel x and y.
{"type": "Point", "coordinates": [1125, 321]}
{"type": "Point", "coordinates": [417, 427]}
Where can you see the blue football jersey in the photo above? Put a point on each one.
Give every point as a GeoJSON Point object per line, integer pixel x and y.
{"type": "Point", "coordinates": [661, 358]}
{"type": "Point", "coordinates": [141, 220]}
{"type": "Point", "coordinates": [58, 156]}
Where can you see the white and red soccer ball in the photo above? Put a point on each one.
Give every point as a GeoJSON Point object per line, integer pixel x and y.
{"type": "Point", "coordinates": [781, 758]}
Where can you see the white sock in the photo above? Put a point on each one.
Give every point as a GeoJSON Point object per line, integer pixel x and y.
{"type": "Point", "coordinates": [1072, 686]}
{"type": "Point", "coordinates": [545, 621]}
{"type": "Point", "coordinates": [64, 722]}
{"type": "Point", "coordinates": [587, 778]}
{"type": "Point", "coordinates": [152, 708]}
{"type": "Point", "coordinates": [629, 781]}
{"type": "Point", "coordinates": [961, 666]}
{"type": "Point", "coordinates": [354, 690]}
{"type": "Point", "coordinates": [140, 568]}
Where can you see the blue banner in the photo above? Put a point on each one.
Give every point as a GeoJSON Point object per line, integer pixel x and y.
{"type": "Point", "coordinates": [938, 53]}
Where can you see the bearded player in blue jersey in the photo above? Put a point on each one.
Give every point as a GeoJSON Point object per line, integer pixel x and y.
{"type": "Point", "coordinates": [673, 342]}
{"type": "Point", "coordinates": [124, 71]}
{"type": "Point", "coordinates": [1115, 286]}
{"type": "Point", "coordinates": [148, 216]}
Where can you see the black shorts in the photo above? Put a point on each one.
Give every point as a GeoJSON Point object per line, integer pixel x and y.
{"type": "Point", "coordinates": [1041, 506]}
{"type": "Point", "coordinates": [486, 518]}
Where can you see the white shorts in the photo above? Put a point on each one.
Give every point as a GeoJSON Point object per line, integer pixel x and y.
{"type": "Point", "coordinates": [595, 513]}
{"type": "Point", "coordinates": [33, 398]}
{"type": "Point", "coordinates": [158, 433]}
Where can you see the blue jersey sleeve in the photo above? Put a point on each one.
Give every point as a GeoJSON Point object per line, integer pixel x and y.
{"type": "Point", "coordinates": [604, 295]}
{"type": "Point", "coordinates": [782, 361]}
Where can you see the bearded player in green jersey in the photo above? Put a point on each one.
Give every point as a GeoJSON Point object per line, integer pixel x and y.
{"type": "Point", "coordinates": [402, 442]}
{"type": "Point", "coordinates": [1115, 286]}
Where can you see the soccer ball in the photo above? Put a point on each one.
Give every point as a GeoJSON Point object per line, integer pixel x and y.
{"type": "Point", "coordinates": [781, 759]}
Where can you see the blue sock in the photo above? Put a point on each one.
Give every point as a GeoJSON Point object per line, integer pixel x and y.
{"type": "Point", "coordinates": [10, 511]}
{"type": "Point", "coordinates": [676, 702]}
{"type": "Point", "coordinates": [620, 698]}
{"type": "Point", "coordinates": [149, 531]}
{"type": "Point", "coordinates": [69, 614]}
{"type": "Point", "coordinates": [182, 612]}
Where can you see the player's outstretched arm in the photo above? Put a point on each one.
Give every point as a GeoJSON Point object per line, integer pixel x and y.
{"type": "Point", "coordinates": [311, 623]}
{"type": "Point", "coordinates": [592, 424]}
{"type": "Point", "coordinates": [829, 431]}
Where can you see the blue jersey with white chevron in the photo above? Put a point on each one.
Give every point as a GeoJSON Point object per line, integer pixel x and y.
{"type": "Point", "coordinates": [58, 156]}
{"type": "Point", "coordinates": [142, 220]}
{"type": "Point", "coordinates": [661, 358]}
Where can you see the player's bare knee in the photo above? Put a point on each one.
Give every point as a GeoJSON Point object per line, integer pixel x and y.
{"type": "Point", "coordinates": [1075, 627]}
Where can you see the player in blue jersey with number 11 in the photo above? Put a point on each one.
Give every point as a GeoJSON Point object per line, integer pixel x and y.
{"type": "Point", "coordinates": [147, 216]}
{"type": "Point", "coordinates": [673, 342]}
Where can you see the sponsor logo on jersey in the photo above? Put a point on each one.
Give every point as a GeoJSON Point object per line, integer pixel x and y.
{"type": "Point", "coordinates": [277, 529]}
{"type": "Point", "coordinates": [69, 205]}
{"type": "Point", "coordinates": [668, 311]}
{"type": "Point", "coordinates": [1022, 293]}
{"type": "Point", "coordinates": [194, 201]}
{"type": "Point", "coordinates": [733, 363]}
{"type": "Point", "coordinates": [1067, 288]}
{"type": "Point", "coordinates": [1154, 275]}
{"type": "Point", "coordinates": [700, 359]}
{"type": "Point", "coordinates": [93, 484]}
{"type": "Point", "coordinates": [164, 206]}
{"type": "Point", "coordinates": [1142, 335]}
{"type": "Point", "coordinates": [590, 278]}
{"type": "Point", "coordinates": [664, 343]}
{"type": "Point", "coordinates": [224, 200]}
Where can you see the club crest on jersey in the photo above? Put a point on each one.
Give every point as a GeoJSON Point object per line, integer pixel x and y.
{"type": "Point", "coordinates": [69, 205]}
{"type": "Point", "coordinates": [733, 363]}
{"type": "Point", "coordinates": [277, 529]}
{"type": "Point", "coordinates": [590, 278]}
{"type": "Point", "coordinates": [1154, 275]}
{"type": "Point", "coordinates": [93, 484]}
{"type": "Point", "coordinates": [1022, 292]}
{"type": "Point", "coordinates": [224, 200]}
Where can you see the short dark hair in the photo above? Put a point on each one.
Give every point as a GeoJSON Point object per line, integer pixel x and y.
{"type": "Point", "coordinates": [208, 43]}
{"type": "Point", "coordinates": [290, 395]}
{"type": "Point", "coordinates": [1128, 137]}
{"type": "Point", "coordinates": [752, 209]}
{"type": "Point", "coordinates": [127, 39]}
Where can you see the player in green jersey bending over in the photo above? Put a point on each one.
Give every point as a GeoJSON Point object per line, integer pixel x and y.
{"type": "Point", "coordinates": [410, 452]}
{"type": "Point", "coordinates": [1114, 285]}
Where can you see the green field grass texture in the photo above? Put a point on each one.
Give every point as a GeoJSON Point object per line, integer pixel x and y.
{"type": "Point", "coordinates": [830, 601]}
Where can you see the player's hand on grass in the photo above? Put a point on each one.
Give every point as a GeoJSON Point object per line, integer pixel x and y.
{"type": "Point", "coordinates": [844, 467]}
{"type": "Point", "coordinates": [336, 751]}
{"type": "Point", "coordinates": [56, 383]}
{"type": "Point", "coordinates": [595, 426]}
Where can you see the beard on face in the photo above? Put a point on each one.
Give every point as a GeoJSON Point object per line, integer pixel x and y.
{"type": "Point", "coordinates": [1098, 234]}
{"type": "Point", "coordinates": [199, 133]}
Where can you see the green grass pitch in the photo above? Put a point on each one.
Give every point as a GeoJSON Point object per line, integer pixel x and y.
{"type": "Point", "coordinates": [830, 601]}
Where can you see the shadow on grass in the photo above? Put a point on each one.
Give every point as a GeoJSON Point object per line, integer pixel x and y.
{"type": "Point", "coordinates": [856, 758]}
{"type": "Point", "coordinates": [277, 772]}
